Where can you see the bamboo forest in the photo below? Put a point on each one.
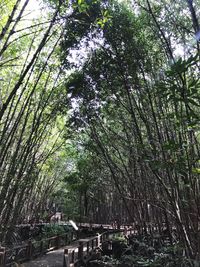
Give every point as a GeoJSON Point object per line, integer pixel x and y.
{"type": "Point", "coordinates": [100, 133]}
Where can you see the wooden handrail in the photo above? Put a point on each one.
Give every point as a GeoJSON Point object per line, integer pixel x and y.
{"type": "Point", "coordinates": [74, 254]}
{"type": "Point", "coordinates": [35, 248]}
{"type": "Point", "coordinates": [2, 256]}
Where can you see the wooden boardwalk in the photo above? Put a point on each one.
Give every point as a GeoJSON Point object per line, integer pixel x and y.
{"type": "Point", "coordinates": [69, 255]}
{"type": "Point", "coordinates": [55, 258]}
{"type": "Point", "coordinates": [61, 250]}
{"type": "Point", "coordinates": [51, 259]}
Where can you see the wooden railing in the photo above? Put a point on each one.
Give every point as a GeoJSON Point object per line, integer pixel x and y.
{"type": "Point", "coordinates": [33, 249]}
{"type": "Point", "coordinates": [84, 248]}
{"type": "Point", "coordinates": [2, 256]}
{"type": "Point", "coordinates": [72, 254]}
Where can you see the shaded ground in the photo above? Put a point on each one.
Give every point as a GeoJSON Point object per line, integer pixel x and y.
{"type": "Point", "coordinates": [51, 259]}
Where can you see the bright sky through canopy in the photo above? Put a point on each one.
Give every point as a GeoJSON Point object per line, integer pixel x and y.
{"type": "Point", "coordinates": [34, 9]}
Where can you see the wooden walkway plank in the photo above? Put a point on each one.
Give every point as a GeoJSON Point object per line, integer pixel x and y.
{"type": "Point", "coordinates": [51, 259]}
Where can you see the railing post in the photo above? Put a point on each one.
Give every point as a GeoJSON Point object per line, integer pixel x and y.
{"type": "Point", "coordinates": [57, 245]}
{"type": "Point", "coordinates": [41, 247]}
{"type": "Point", "coordinates": [2, 256]}
{"type": "Point", "coordinates": [72, 257]}
{"type": "Point", "coordinates": [101, 239]}
{"type": "Point", "coordinates": [49, 244]}
{"type": "Point", "coordinates": [98, 240]}
{"type": "Point", "coordinates": [66, 239]}
{"type": "Point", "coordinates": [72, 235]}
{"type": "Point", "coordinates": [80, 250]}
{"type": "Point", "coordinates": [66, 260]}
{"type": "Point", "coordinates": [106, 235]}
{"type": "Point", "coordinates": [88, 247]}
{"type": "Point", "coordinates": [29, 250]}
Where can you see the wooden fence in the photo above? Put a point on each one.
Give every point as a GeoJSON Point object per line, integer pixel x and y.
{"type": "Point", "coordinates": [73, 254]}
{"type": "Point", "coordinates": [33, 249]}
{"type": "Point", "coordinates": [84, 248]}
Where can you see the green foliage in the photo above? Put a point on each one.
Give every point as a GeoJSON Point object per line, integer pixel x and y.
{"type": "Point", "coordinates": [135, 102]}
{"type": "Point", "coordinates": [114, 133]}
{"type": "Point", "coordinates": [145, 255]}
{"type": "Point", "coordinates": [54, 230]}
{"type": "Point", "coordinates": [120, 238]}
